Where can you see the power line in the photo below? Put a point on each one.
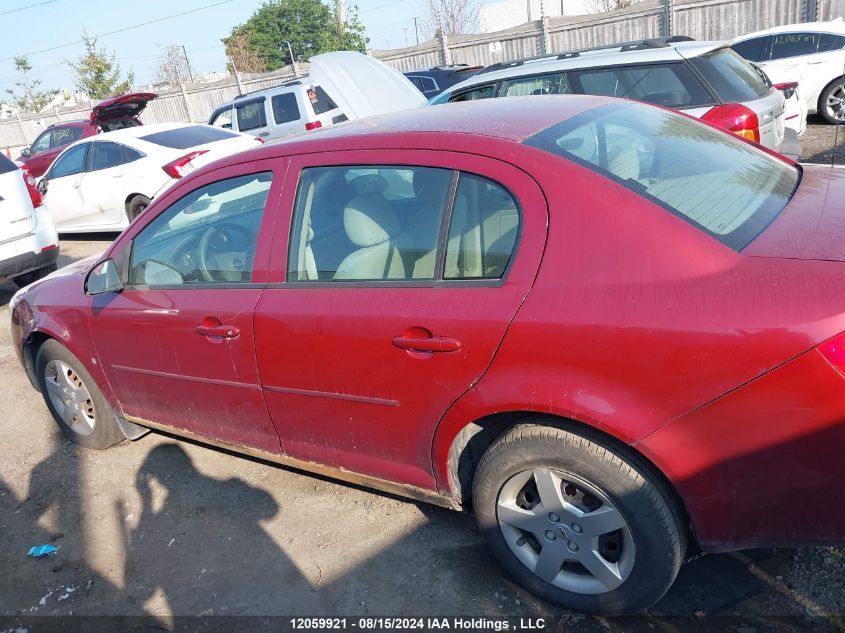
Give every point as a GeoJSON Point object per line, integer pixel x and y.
{"type": "Point", "coordinates": [29, 6]}
{"type": "Point", "coordinates": [126, 28]}
{"type": "Point", "coordinates": [382, 6]}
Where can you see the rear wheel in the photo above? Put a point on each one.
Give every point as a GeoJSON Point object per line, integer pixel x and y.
{"type": "Point", "coordinates": [576, 522]}
{"type": "Point", "coordinates": [72, 396]}
{"type": "Point", "coordinates": [135, 206]}
{"type": "Point", "coordinates": [832, 102]}
{"type": "Point", "coordinates": [34, 275]}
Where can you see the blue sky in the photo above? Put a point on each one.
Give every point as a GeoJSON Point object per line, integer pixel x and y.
{"type": "Point", "coordinates": [51, 23]}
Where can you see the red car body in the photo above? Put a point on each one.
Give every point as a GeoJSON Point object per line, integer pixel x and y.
{"type": "Point", "coordinates": [122, 110]}
{"type": "Point", "coordinates": [711, 364]}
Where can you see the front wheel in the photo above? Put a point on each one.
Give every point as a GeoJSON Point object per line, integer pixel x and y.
{"type": "Point", "coordinates": [832, 102]}
{"type": "Point", "coordinates": [72, 396]}
{"type": "Point", "coordinates": [577, 523]}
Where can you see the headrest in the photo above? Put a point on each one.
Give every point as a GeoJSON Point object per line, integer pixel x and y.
{"type": "Point", "coordinates": [430, 185]}
{"type": "Point", "coordinates": [369, 219]}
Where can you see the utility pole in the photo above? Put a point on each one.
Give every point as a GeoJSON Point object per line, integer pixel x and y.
{"type": "Point", "coordinates": [292, 60]}
{"type": "Point", "coordinates": [340, 11]}
{"type": "Point", "coordinates": [188, 64]}
{"type": "Point", "coordinates": [416, 30]}
{"type": "Point", "coordinates": [406, 36]}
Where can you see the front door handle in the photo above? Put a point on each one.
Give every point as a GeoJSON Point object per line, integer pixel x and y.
{"type": "Point", "coordinates": [417, 339]}
{"type": "Point", "coordinates": [212, 329]}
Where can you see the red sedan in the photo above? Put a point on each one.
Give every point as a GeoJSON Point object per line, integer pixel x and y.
{"type": "Point", "coordinates": [611, 329]}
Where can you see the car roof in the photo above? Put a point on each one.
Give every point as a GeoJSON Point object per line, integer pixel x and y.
{"type": "Point", "coordinates": [292, 84]}
{"type": "Point", "coordinates": [836, 26]}
{"type": "Point", "coordinates": [74, 123]}
{"type": "Point", "coordinates": [447, 126]}
{"type": "Point", "coordinates": [592, 59]}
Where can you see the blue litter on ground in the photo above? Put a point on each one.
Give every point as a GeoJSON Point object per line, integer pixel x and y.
{"type": "Point", "coordinates": [42, 550]}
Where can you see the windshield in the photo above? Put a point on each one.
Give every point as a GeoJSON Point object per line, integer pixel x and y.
{"type": "Point", "coordinates": [711, 179]}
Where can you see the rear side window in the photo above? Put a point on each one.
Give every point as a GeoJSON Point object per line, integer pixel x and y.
{"type": "Point", "coordinates": [794, 44]}
{"type": "Point", "coordinates": [320, 101]}
{"type": "Point", "coordinates": [669, 85]}
{"type": "Point", "coordinates": [186, 137]}
{"type": "Point", "coordinates": [718, 183]}
{"type": "Point", "coordinates": [285, 108]}
{"type": "Point", "coordinates": [754, 50]}
{"type": "Point", "coordinates": [6, 165]}
{"type": "Point", "coordinates": [733, 78]}
{"type": "Point", "coordinates": [251, 115]}
{"type": "Point", "coordinates": [552, 84]}
{"type": "Point", "coordinates": [831, 42]}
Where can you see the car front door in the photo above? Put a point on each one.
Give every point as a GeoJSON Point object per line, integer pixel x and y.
{"type": "Point", "coordinates": [403, 272]}
{"type": "Point", "coordinates": [63, 181]}
{"type": "Point", "coordinates": [252, 117]}
{"type": "Point", "coordinates": [40, 154]}
{"type": "Point", "coordinates": [177, 343]}
{"type": "Point", "coordinates": [103, 186]}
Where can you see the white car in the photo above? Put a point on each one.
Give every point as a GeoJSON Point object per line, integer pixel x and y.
{"type": "Point", "coordinates": [817, 48]}
{"type": "Point", "coordinates": [29, 244]}
{"type": "Point", "coordinates": [787, 78]}
{"type": "Point", "coordinates": [103, 182]}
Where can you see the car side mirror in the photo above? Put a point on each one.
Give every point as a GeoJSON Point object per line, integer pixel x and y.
{"type": "Point", "coordinates": [103, 278]}
{"type": "Point", "coordinates": [42, 185]}
{"type": "Point", "coordinates": [26, 152]}
{"type": "Point", "coordinates": [227, 126]}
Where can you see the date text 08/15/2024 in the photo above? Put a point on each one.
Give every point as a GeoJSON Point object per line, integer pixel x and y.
{"type": "Point", "coordinates": [421, 623]}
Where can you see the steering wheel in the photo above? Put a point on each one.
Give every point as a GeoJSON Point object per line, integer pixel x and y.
{"type": "Point", "coordinates": [236, 265]}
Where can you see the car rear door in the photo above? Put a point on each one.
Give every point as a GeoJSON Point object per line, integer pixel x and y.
{"type": "Point", "coordinates": [17, 216]}
{"type": "Point", "coordinates": [359, 364]}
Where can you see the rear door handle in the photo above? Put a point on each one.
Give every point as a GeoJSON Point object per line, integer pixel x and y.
{"type": "Point", "coordinates": [264, 134]}
{"type": "Point", "coordinates": [218, 331]}
{"type": "Point", "coordinates": [414, 341]}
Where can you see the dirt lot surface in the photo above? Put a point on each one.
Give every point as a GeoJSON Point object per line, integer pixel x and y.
{"type": "Point", "coordinates": [162, 527]}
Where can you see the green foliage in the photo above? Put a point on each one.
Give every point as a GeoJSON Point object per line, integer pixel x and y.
{"type": "Point", "coordinates": [97, 72]}
{"type": "Point", "coordinates": [28, 96]}
{"type": "Point", "coordinates": [310, 26]}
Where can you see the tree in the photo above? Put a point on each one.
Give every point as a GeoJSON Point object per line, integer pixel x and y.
{"type": "Point", "coordinates": [243, 58]}
{"type": "Point", "coordinates": [309, 26]}
{"type": "Point", "coordinates": [97, 72]}
{"type": "Point", "coordinates": [29, 97]}
{"type": "Point", "coordinates": [449, 17]}
{"type": "Point", "coordinates": [603, 6]}
{"type": "Point", "coordinates": [172, 66]}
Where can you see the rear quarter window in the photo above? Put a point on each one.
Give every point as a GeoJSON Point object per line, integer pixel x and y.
{"type": "Point", "coordinates": [669, 85]}
{"type": "Point", "coordinates": [6, 165]}
{"type": "Point", "coordinates": [320, 101]}
{"type": "Point", "coordinates": [718, 183]}
{"type": "Point", "coordinates": [733, 78]}
{"type": "Point", "coordinates": [186, 137]}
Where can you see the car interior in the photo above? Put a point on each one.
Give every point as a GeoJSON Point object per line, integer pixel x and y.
{"type": "Point", "coordinates": [380, 223]}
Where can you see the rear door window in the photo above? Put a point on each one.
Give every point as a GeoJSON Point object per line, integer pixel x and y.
{"type": "Point", "coordinates": [551, 84]}
{"type": "Point", "coordinates": [669, 85]}
{"type": "Point", "coordinates": [106, 155]}
{"type": "Point", "coordinates": [733, 78]}
{"type": "Point", "coordinates": [65, 136]}
{"type": "Point", "coordinates": [285, 108]}
{"type": "Point", "coordinates": [794, 44]}
{"type": "Point", "coordinates": [714, 181]}
{"type": "Point", "coordinates": [320, 101]}
{"type": "Point", "coordinates": [187, 137]}
{"type": "Point", "coordinates": [251, 115]}
{"type": "Point", "coordinates": [754, 50]}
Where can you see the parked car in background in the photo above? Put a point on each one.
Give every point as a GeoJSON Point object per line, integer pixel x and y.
{"type": "Point", "coordinates": [388, 302]}
{"type": "Point", "coordinates": [29, 244]}
{"type": "Point", "coordinates": [432, 81]}
{"type": "Point", "coordinates": [704, 79]}
{"type": "Point", "coordinates": [293, 107]}
{"type": "Point", "coordinates": [112, 114]}
{"type": "Point", "coordinates": [787, 79]}
{"type": "Point", "coordinates": [818, 49]}
{"type": "Point", "coordinates": [104, 182]}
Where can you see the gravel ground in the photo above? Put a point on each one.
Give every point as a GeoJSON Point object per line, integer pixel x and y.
{"type": "Point", "coordinates": [162, 527]}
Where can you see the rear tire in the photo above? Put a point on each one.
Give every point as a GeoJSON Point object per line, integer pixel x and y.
{"type": "Point", "coordinates": [72, 396]}
{"type": "Point", "coordinates": [136, 206]}
{"type": "Point", "coordinates": [34, 275]}
{"type": "Point", "coordinates": [597, 532]}
{"type": "Point", "coordinates": [832, 102]}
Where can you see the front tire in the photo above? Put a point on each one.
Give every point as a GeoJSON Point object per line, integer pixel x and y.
{"type": "Point", "coordinates": [832, 102]}
{"type": "Point", "coordinates": [576, 522]}
{"type": "Point", "coordinates": [72, 396]}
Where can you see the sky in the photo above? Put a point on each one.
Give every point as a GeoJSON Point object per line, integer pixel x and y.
{"type": "Point", "coordinates": [30, 26]}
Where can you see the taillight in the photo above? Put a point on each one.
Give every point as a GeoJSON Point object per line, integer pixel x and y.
{"type": "Point", "coordinates": [787, 88]}
{"type": "Point", "coordinates": [834, 352]}
{"type": "Point", "coordinates": [313, 125]}
{"type": "Point", "coordinates": [182, 166]}
{"type": "Point", "coordinates": [736, 118]}
{"type": "Point", "coordinates": [32, 188]}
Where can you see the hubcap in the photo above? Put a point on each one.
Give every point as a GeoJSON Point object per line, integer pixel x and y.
{"type": "Point", "coordinates": [836, 103]}
{"type": "Point", "coordinates": [566, 531]}
{"type": "Point", "coordinates": [70, 397]}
